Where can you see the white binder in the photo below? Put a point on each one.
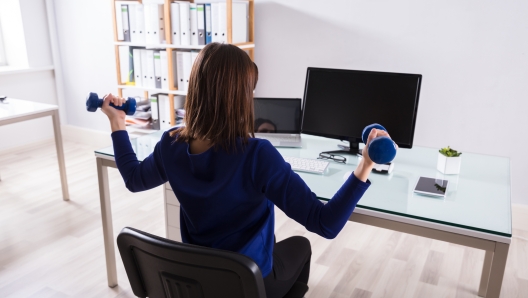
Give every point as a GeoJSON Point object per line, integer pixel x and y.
{"type": "Point", "coordinates": [126, 24]}
{"type": "Point", "coordinates": [144, 67]}
{"type": "Point", "coordinates": [119, 21]}
{"type": "Point", "coordinates": [194, 54]}
{"type": "Point", "coordinates": [140, 24]}
{"type": "Point", "coordinates": [161, 23]}
{"type": "Point", "coordinates": [138, 77]}
{"type": "Point", "coordinates": [179, 71]}
{"type": "Point", "coordinates": [151, 79]}
{"type": "Point", "coordinates": [240, 18]}
{"type": "Point", "coordinates": [147, 16]}
{"type": "Point", "coordinates": [193, 21]}
{"type": "Point", "coordinates": [185, 23]}
{"type": "Point", "coordinates": [175, 23]}
{"type": "Point", "coordinates": [158, 25]}
{"type": "Point", "coordinates": [175, 70]}
{"type": "Point", "coordinates": [125, 65]}
{"type": "Point", "coordinates": [222, 24]}
{"type": "Point", "coordinates": [215, 24]}
{"type": "Point", "coordinates": [179, 101]}
{"type": "Point", "coordinates": [157, 68]}
{"type": "Point", "coordinates": [164, 70]}
{"type": "Point", "coordinates": [132, 20]}
{"type": "Point", "coordinates": [164, 111]}
{"type": "Point", "coordinates": [187, 65]}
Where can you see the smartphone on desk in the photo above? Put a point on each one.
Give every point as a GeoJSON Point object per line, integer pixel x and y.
{"type": "Point", "coordinates": [431, 187]}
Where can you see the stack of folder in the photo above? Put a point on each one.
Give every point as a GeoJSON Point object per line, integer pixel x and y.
{"type": "Point", "coordinates": [162, 113]}
{"type": "Point", "coordinates": [150, 68]}
{"type": "Point", "coordinates": [155, 113]}
{"type": "Point", "coordinates": [203, 23]}
{"type": "Point", "coordinates": [192, 24]}
{"type": "Point", "coordinates": [138, 23]}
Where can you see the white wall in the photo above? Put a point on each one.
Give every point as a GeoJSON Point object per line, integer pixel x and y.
{"type": "Point", "coordinates": [473, 56]}
{"type": "Point", "coordinates": [87, 55]}
{"type": "Point", "coordinates": [36, 86]}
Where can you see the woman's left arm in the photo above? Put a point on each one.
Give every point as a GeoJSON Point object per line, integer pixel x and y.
{"type": "Point", "coordinates": [138, 176]}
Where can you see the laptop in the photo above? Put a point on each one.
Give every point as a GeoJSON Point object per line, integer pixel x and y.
{"type": "Point", "coordinates": [278, 120]}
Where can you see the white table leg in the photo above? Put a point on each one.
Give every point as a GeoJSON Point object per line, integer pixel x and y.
{"type": "Point", "coordinates": [498, 264]}
{"type": "Point", "coordinates": [60, 155]}
{"type": "Point", "coordinates": [106, 215]}
{"type": "Point", "coordinates": [484, 278]}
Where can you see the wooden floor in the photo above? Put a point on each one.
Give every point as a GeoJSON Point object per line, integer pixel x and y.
{"type": "Point", "coordinates": [52, 248]}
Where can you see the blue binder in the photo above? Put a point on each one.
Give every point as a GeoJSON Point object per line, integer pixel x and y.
{"type": "Point", "coordinates": [208, 22]}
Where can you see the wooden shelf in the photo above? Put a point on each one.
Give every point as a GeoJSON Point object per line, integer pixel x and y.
{"type": "Point", "coordinates": [175, 92]}
{"type": "Point", "coordinates": [246, 45]}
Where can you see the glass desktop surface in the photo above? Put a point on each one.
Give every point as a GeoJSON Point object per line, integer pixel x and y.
{"type": "Point", "coordinates": [12, 108]}
{"type": "Point", "coordinates": [477, 199]}
{"type": "Point", "coordinates": [145, 144]}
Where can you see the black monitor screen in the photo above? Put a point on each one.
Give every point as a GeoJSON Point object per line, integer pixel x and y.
{"type": "Point", "coordinates": [277, 115]}
{"type": "Point", "coordinates": [340, 103]}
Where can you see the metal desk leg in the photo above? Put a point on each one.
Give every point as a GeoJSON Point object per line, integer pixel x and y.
{"type": "Point", "coordinates": [60, 155]}
{"type": "Point", "coordinates": [484, 278]}
{"type": "Point", "coordinates": [106, 214]}
{"type": "Point", "coordinates": [498, 264]}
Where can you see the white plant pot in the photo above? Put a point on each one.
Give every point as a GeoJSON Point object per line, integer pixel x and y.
{"type": "Point", "coordinates": [448, 165]}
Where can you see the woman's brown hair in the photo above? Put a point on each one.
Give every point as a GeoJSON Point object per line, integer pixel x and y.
{"type": "Point", "coordinates": [219, 103]}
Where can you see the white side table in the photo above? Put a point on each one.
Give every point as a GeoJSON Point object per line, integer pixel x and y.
{"type": "Point", "coordinates": [18, 110]}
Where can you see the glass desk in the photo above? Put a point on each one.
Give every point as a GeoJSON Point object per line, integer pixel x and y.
{"type": "Point", "coordinates": [476, 211]}
{"type": "Point", "coordinates": [18, 110]}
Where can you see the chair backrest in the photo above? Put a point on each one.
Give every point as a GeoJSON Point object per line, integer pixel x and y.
{"type": "Point", "coordinates": [158, 267]}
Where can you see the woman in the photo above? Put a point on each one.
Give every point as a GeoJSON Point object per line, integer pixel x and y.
{"type": "Point", "coordinates": [228, 182]}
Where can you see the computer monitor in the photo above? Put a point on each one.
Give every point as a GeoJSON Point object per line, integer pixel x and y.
{"type": "Point", "coordinates": [339, 104]}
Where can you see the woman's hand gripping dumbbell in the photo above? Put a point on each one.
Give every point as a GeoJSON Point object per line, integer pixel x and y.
{"type": "Point", "coordinates": [116, 108]}
{"type": "Point", "coordinates": [379, 147]}
{"type": "Point", "coordinates": [93, 102]}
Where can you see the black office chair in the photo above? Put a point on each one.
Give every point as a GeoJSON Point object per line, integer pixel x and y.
{"type": "Point", "coordinates": [158, 267]}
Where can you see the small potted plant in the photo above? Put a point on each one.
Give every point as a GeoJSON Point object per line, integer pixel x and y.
{"type": "Point", "coordinates": [449, 161]}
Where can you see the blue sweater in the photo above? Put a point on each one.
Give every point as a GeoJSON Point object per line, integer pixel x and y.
{"type": "Point", "coordinates": [227, 199]}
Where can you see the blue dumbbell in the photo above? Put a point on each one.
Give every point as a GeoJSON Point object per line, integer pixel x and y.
{"type": "Point", "coordinates": [382, 149]}
{"type": "Point", "coordinates": [93, 102]}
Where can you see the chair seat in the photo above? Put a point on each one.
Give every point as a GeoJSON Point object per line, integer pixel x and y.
{"type": "Point", "coordinates": [160, 268]}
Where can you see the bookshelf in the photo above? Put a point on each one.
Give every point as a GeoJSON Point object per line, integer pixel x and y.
{"type": "Point", "coordinates": [249, 47]}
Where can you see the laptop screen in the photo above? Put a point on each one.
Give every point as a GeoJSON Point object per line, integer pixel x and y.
{"type": "Point", "coordinates": [277, 115]}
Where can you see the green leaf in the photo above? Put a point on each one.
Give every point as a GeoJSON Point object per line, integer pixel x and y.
{"type": "Point", "coordinates": [449, 152]}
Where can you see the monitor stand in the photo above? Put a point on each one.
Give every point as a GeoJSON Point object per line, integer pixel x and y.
{"type": "Point", "coordinates": [352, 149]}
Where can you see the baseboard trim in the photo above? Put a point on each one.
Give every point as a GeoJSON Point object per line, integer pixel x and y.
{"type": "Point", "coordinates": [95, 139]}
{"type": "Point", "coordinates": [520, 205]}
{"type": "Point", "coordinates": [30, 146]}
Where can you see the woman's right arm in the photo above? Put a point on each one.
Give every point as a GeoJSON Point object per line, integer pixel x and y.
{"type": "Point", "coordinates": [138, 176]}
{"type": "Point", "coordinates": [291, 194]}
